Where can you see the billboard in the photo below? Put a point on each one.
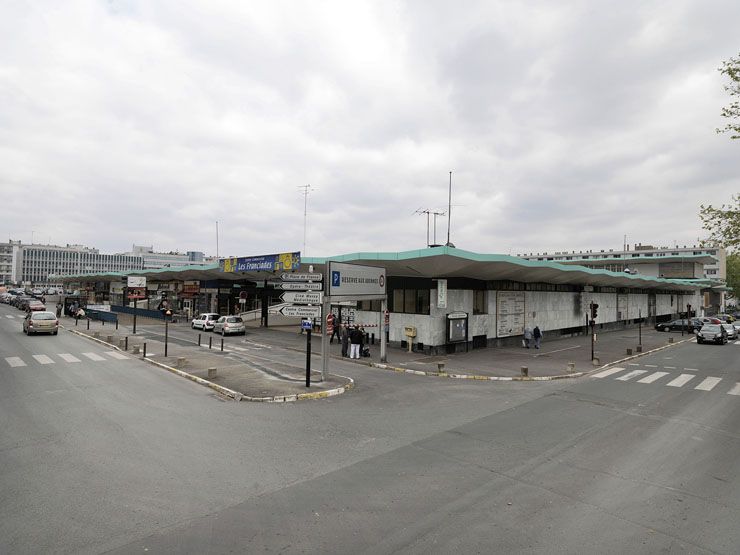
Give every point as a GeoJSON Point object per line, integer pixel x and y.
{"type": "Point", "coordinates": [286, 261]}
{"type": "Point", "coordinates": [135, 281]}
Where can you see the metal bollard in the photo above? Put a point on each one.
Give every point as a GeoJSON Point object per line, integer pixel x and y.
{"type": "Point", "coordinates": [222, 344]}
{"type": "Point", "coordinates": [88, 323]}
{"type": "Point", "coordinates": [210, 342]}
{"type": "Point", "coordinates": [372, 338]}
{"type": "Point", "coordinates": [211, 373]}
{"type": "Point", "coordinates": [116, 324]}
{"type": "Point", "coordinates": [126, 344]}
{"type": "Point", "coordinates": [144, 349]}
{"type": "Point", "coordinates": [198, 340]}
{"type": "Point", "coordinates": [102, 322]}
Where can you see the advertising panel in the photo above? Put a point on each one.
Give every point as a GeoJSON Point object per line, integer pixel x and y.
{"type": "Point", "coordinates": [134, 281]}
{"type": "Point", "coordinates": [509, 313]}
{"type": "Point", "coordinates": [282, 262]}
{"type": "Point", "coordinates": [441, 293]}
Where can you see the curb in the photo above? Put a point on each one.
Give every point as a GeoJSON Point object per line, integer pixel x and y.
{"type": "Point", "coordinates": [237, 396]}
{"type": "Point", "coordinates": [478, 377]}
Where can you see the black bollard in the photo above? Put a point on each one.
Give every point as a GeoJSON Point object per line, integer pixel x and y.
{"type": "Point", "coordinates": [88, 323]}
{"type": "Point", "coordinates": [198, 340]}
{"type": "Point", "coordinates": [116, 324]}
{"type": "Point", "coordinates": [125, 344]}
{"type": "Point", "coordinates": [372, 339]}
{"type": "Point", "coordinates": [210, 342]}
{"type": "Point", "coordinates": [144, 349]}
{"type": "Point", "coordinates": [222, 344]}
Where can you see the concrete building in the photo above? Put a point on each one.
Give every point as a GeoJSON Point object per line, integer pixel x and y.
{"type": "Point", "coordinates": [495, 295]}
{"type": "Point", "coordinates": [8, 258]}
{"type": "Point", "coordinates": [669, 262]}
{"type": "Point", "coordinates": [153, 260]}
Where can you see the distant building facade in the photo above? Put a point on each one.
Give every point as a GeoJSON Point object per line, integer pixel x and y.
{"type": "Point", "coordinates": [669, 262]}
{"type": "Point", "coordinates": [154, 260]}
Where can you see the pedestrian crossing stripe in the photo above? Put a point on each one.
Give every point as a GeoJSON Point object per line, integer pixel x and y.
{"type": "Point", "coordinates": [17, 362]}
{"type": "Point", "coordinates": [609, 372]}
{"type": "Point", "coordinates": [707, 384]}
{"type": "Point", "coordinates": [9, 316]}
{"type": "Point", "coordinates": [631, 375]}
{"type": "Point", "coordinates": [681, 381]}
{"type": "Point", "coordinates": [735, 390]}
{"type": "Point", "coordinates": [652, 377]}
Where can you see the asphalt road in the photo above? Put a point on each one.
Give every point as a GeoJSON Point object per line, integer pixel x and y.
{"type": "Point", "coordinates": [110, 454]}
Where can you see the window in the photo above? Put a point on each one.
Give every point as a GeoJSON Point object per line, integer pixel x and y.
{"type": "Point", "coordinates": [411, 301]}
{"type": "Point", "coordinates": [480, 306]}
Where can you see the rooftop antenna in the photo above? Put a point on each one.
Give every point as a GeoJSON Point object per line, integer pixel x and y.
{"type": "Point", "coordinates": [216, 238]}
{"type": "Point", "coordinates": [427, 212]}
{"type": "Point", "coordinates": [306, 189]}
{"type": "Point", "coordinates": [449, 211]}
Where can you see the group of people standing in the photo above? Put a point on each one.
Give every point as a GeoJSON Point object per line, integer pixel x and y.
{"type": "Point", "coordinates": [352, 338]}
{"type": "Point", "coordinates": [532, 336]}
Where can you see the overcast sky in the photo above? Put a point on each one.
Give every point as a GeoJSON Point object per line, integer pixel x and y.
{"type": "Point", "coordinates": [566, 124]}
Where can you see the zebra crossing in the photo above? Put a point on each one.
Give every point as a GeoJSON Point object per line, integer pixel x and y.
{"type": "Point", "coordinates": [68, 358]}
{"type": "Point", "coordinates": [668, 379]}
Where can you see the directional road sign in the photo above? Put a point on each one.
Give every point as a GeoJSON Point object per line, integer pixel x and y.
{"type": "Point", "coordinates": [303, 297]}
{"type": "Point", "coordinates": [301, 277]}
{"type": "Point", "coordinates": [301, 311]}
{"type": "Point", "coordinates": [300, 286]}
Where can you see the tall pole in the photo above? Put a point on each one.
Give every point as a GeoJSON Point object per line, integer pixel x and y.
{"type": "Point", "coordinates": [216, 238]}
{"type": "Point", "coordinates": [306, 189]}
{"type": "Point", "coordinates": [449, 210]}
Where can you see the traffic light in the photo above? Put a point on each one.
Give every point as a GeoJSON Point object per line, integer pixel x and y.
{"type": "Point", "coordinates": [594, 310]}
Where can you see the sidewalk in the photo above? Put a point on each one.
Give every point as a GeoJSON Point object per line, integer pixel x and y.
{"type": "Point", "coordinates": [279, 371]}
{"type": "Point", "coordinates": [236, 375]}
{"type": "Point", "coordinates": [550, 360]}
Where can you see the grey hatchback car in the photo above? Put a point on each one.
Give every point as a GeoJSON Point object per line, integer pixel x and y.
{"type": "Point", "coordinates": [40, 322]}
{"type": "Point", "coordinates": [227, 325]}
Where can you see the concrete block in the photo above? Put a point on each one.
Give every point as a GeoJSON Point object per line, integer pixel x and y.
{"type": "Point", "coordinates": [180, 362]}
{"type": "Point", "coordinates": [136, 349]}
{"type": "Point", "coordinates": [122, 343]}
{"type": "Point", "coordinates": [211, 373]}
{"type": "Point", "coordinates": [96, 334]}
{"type": "Point", "coordinates": [639, 348]}
{"type": "Point", "coordinates": [629, 352]}
{"type": "Point", "coordinates": [109, 339]}
{"type": "Point", "coordinates": [596, 362]}
{"type": "Point", "coordinates": [525, 371]}
{"type": "Point", "coordinates": [571, 367]}
{"type": "Point", "coordinates": [670, 340]}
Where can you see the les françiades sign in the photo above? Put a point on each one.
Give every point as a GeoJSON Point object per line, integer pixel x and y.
{"type": "Point", "coordinates": [286, 261]}
{"type": "Point", "coordinates": [354, 280]}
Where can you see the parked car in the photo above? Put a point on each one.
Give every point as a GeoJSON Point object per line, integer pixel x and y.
{"type": "Point", "coordinates": [678, 325]}
{"type": "Point", "coordinates": [205, 321]}
{"type": "Point", "coordinates": [36, 306]}
{"type": "Point", "coordinates": [711, 320]}
{"type": "Point", "coordinates": [227, 325]}
{"type": "Point", "coordinates": [40, 322]}
{"type": "Point", "coordinates": [712, 333]}
{"type": "Point", "coordinates": [731, 331]}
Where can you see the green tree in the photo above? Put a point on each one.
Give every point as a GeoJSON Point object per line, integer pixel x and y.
{"type": "Point", "coordinates": [731, 68]}
{"type": "Point", "coordinates": [733, 274]}
{"type": "Point", "coordinates": [722, 224]}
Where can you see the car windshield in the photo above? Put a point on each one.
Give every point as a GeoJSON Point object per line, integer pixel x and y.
{"type": "Point", "coordinates": [234, 319]}
{"type": "Point", "coordinates": [711, 327]}
{"type": "Point", "coordinates": [43, 316]}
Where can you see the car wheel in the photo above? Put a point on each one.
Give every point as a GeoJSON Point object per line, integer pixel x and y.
{"type": "Point", "coordinates": [55, 333]}
{"type": "Point", "coordinates": [699, 341]}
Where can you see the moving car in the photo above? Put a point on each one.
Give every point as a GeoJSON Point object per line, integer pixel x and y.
{"type": "Point", "coordinates": [712, 333]}
{"type": "Point", "coordinates": [205, 321]}
{"type": "Point", "coordinates": [40, 322]}
{"type": "Point", "coordinates": [731, 331]}
{"type": "Point", "coordinates": [35, 306]}
{"type": "Point", "coordinates": [678, 325]}
{"type": "Point", "coordinates": [229, 324]}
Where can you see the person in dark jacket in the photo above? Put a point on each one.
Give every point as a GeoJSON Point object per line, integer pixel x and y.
{"type": "Point", "coordinates": [344, 335]}
{"type": "Point", "coordinates": [355, 340]}
{"type": "Point", "coordinates": [537, 335]}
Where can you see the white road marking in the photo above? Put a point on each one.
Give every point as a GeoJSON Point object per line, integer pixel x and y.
{"type": "Point", "coordinates": [691, 369]}
{"type": "Point", "coordinates": [116, 354]}
{"type": "Point", "coordinates": [43, 359]}
{"type": "Point", "coordinates": [736, 343]}
{"type": "Point", "coordinates": [669, 367]}
{"type": "Point", "coordinates": [708, 384]}
{"type": "Point", "coordinates": [93, 356]}
{"type": "Point", "coordinates": [631, 375]}
{"type": "Point", "coordinates": [9, 316]}
{"type": "Point", "coordinates": [15, 361]}
{"type": "Point", "coordinates": [651, 366]}
{"type": "Point", "coordinates": [735, 390]}
{"type": "Point", "coordinates": [69, 358]}
{"type": "Point", "coordinates": [652, 377]}
{"type": "Point", "coordinates": [681, 380]}
{"type": "Point", "coordinates": [606, 373]}
{"type": "Point", "coordinates": [632, 364]}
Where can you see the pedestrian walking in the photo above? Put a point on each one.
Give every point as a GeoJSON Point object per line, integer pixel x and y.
{"type": "Point", "coordinates": [537, 335]}
{"type": "Point", "coordinates": [59, 309]}
{"type": "Point", "coordinates": [344, 335]}
{"type": "Point", "coordinates": [355, 340]}
{"type": "Point", "coordinates": [527, 336]}
{"type": "Point", "coordinates": [331, 328]}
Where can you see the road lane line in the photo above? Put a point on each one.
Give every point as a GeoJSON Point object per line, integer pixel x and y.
{"type": "Point", "coordinates": [682, 380]}
{"type": "Point", "coordinates": [652, 377]}
{"type": "Point", "coordinates": [9, 316]}
{"type": "Point", "coordinates": [93, 356]}
{"type": "Point", "coordinates": [632, 364]}
{"type": "Point", "coordinates": [43, 359]}
{"type": "Point", "coordinates": [735, 390]}
{"type": "Point", "coordinates": [631, 375]}
{"type": "Point", "coordinates": [69, 358]}
{"type": "Point", "coordinates": [691, 369]}
{"type": "Point", "coordinates": [116, 354]}
{"type": "Point", "coordinates": [14, 361]}
{"type": "Point", "coordinates": [606, 373]}
{"type": "Point", "coordinates": [651, 366]}
{"type": "Point", "coordinates": [708, 384]}
{"type": "Point", "coordinates": [669, 367]}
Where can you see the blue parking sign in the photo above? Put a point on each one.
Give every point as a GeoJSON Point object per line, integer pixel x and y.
{"type": "Point", "coordinates": [335, 279]}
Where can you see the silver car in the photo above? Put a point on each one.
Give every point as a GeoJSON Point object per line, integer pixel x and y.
{"type": "Point", "coordinates": [205, 321]}
{"type": "Point", "coordinates": [226, 325]}
{"type": "Point", "coordinates": [731, 331]}
{"type": "Point", "coordinates": [40, 322]}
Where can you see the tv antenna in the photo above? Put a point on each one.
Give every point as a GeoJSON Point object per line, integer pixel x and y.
{"type": "Point", "coordinates": [430, 212]}
{"type": "Point", "coordinates": [306, 189]}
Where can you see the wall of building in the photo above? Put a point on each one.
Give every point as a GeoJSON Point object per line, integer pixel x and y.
{"type": "Point", "coordinates": [551, 311]}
